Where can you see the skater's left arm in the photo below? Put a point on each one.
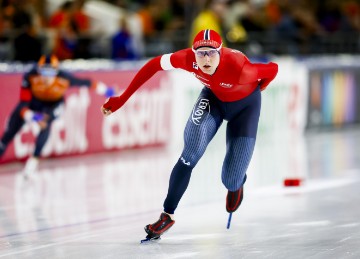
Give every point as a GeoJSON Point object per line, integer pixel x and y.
{"type": "Point", "coordinates": [73, 80]}
{"type": "Point", "coordinates": [164, 62]}
{"type": "Point", "coordinates": [263, 73]}
{"type": "Point", "coordinates": [100, 87]}
{"type": "Point", "coordinates": [144, 74]}
{"type": "Point", "coordinates": [266, 73]}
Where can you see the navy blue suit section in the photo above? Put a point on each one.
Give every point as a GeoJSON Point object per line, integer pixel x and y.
{"type": "Point", "coordinates": [207, 116]}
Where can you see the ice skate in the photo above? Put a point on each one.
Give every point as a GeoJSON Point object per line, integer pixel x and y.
{"type": "Point", "coordinates": [233, 201]}
{"type": "Point", "coordinates": [31, 166]}
{"type": "Point", "coordinates": [155, 230]}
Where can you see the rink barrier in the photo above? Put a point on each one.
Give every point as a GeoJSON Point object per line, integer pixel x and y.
{"type": "Point", "coordinates": [81, 129]}
{"type": "Point", "coordinates": [333, 92]}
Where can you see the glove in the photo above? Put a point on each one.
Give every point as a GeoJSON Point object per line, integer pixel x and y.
{"type": "Point", "coordinates": [38, 116]}
{"type": "Point", "coordinates": [112, 104]}
{"type": "Point", "coordinates": [110, 91]}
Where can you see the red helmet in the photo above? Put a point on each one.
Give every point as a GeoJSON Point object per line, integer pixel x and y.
{"type": "Point", "coordinates": [207, 38]}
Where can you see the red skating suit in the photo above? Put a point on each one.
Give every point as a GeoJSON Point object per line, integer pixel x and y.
{"type": "Point", "coordinates": [235, 78]}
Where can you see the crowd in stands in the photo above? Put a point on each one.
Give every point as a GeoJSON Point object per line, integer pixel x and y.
{"type": "Point", "coordinates": [283, 27]}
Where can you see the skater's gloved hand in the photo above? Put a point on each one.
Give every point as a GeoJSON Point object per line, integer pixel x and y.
{"type": "Point", "coordinates": [38, 116]}
{"type": "Point", "coordinates": [33, 116]}
{"type": "Point", "coordinates": [105, 111]}
{"type": "Point", "coordinates": [112, 104]}
{"type": "Point", "coordinates": [41, 119]}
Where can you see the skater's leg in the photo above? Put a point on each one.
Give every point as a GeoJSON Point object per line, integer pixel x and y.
{"type": "Point", "coordinates": [41, 139]}
{"type": "Point", "coordinates": [32, 163]}
{"type": "Point", "coordinates": [237, 160]}
{"type": "Point", "coordinates": [240, 143]}
{"type": "Point", "coordinates": [14, 125]}
{"type": "Point", "coordinates": [198, 133]}
{"type": "Point", "coordinates": [43, 136]}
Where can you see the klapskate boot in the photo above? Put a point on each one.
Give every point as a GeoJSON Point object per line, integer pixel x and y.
{"type": "Point", "coordinates": [158, 228]}
{"type": "Point", "coordinates": [234, 199]}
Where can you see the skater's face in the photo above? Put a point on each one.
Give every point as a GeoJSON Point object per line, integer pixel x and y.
{"type": "Point", "coordinates": [207, 59]}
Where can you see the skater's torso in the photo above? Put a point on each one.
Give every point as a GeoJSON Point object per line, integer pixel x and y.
{"type": "Point", "coordinates": [229, 82]}
{"type": "Point", "coordinates": [48, 89]}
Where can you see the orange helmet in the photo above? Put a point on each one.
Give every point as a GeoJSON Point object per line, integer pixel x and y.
{"type": "Point", "coordinates": [48, 60]}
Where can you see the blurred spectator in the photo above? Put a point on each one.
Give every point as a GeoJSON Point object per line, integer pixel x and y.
{"type": "Point", "coordinates": [122, 43]}
{"type": "Point", "coordinates": [27, 47]}
{"type": "Point", "coordinates": [27, 44]}
{"type": "Point", "coordinates": [351, 11]}
{"type": "Point", "coordinates": [66, 38]}
{"type": "Point", "coordinates": [293, 27]}
{"type": "Point", "coordinates": [82, 27]}
{"type": "Point", "coordinates": [72, 27]}
{"type": "Point", "coordinates": [233, 20]}
{"type": "Point", "coordinates": [211, 17]}
{"type": "Point", "coordinates": [79, 17]}
{"type": "Point", "coordinates": [157, 26]}
{"type": "Point", "coordinates": [329, 15]}
{"type": "Point", "coordinates": [148, 14]}
{"type": "Point", "coordinates": [5, 31]}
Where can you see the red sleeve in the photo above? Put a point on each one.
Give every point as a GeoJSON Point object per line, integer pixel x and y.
{"type": "Point", "coordinates": [264, 73]}
{"type": "Point", "coordinates": [144, 74]}
{"type": "Point", "coordinates": [25, 95]}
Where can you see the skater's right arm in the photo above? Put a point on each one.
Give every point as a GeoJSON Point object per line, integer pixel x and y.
{"type": "Point", "coordinates": [145, 73]}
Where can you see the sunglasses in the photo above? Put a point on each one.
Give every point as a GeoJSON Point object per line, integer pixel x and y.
{"type": "Point", "coordinates": [47, 71]}
{"type": "Point", "coordinates": [202, 53]}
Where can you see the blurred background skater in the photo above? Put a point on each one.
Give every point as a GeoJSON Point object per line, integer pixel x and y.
{"type": "Point", "coordinates": [232, 92]}
{"type": "Point", "coordinates": [41, 101]}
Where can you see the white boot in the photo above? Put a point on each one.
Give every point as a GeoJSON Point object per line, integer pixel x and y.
{"type": "Point", "coordinates": [31, 166]}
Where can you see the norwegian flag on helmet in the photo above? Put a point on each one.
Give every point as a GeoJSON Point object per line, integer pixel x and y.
{"type": "Point", "coordinates": [207, 38]}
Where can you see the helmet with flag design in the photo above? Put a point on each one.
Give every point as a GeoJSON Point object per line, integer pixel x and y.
{"type": "Point", "coordinates": [207, 38]}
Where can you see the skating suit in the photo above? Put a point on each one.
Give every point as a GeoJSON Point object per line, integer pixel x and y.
{"type": "Point", "coordinates": [233, 94]}
{"type": "Point", "coordinates": [235, 78]}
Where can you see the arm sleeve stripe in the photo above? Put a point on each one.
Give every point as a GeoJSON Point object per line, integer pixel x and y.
{"type": "Point", "coordinates": [165, 62]}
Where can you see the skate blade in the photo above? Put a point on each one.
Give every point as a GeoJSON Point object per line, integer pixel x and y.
{"type": "Point", "coordinates": [148, 240]}
{"type": "Point", "coordinates": [229, 220]}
